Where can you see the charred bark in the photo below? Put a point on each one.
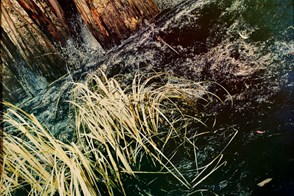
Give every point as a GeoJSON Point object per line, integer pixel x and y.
{"type": "Point", "coordinates": [35, 31]}
{"type": "Point", "coordinates": [11, 57]}
{"type": "Point", "coordinates": [71, 14]}
{"type": "Point", "coordinates": [44, 22]}
{"type": "Point", "coordinates": [111, 21]}
{"type": "Point", "coordinates": [32, 44]}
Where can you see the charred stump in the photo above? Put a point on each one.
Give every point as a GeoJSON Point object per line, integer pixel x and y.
{"type": "Point", "coordinates": [36, 31]}
{"type": "Point", "coordinates": [49, 17]}
{"type": "Point", "coordinates": [16, 78]}
{"type": "Point", "coordinates": [111, 21]}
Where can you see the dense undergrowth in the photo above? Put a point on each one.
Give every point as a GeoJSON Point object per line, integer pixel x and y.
{"type": "Point", "coordinates": [119, 129]}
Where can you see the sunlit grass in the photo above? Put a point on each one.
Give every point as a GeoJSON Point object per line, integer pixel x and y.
{"type": "Point", "coordinates": [117, 126]}
{"type": "Point", "coordinates": [34, 157]}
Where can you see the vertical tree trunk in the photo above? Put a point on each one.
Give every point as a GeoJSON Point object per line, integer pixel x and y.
{"type": "Point", "coordinates": [33, 27]}
{"type": "Point", "coordinates": [110, 21]}
{"type": "Point", "coordinates": [44, 22]}
{"type": "Point", "coordinates": [18, 67]}
{"type": "Point", "coordinates": [32, 44]}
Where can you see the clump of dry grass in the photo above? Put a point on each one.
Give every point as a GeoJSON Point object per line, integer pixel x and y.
{"type": "Point", "coordinates": [136, 121]}
{"type": "Point", "coordinates": [116, 127]}
{"type": "Point", "coordinates": [34, 157]}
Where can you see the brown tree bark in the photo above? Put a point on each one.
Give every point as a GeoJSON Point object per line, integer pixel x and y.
{"type": "Point", "coordinates": [44, 22]}
{"type": "Point", "coordinates": [111, 21]}
{"type": "Point", "coordinates": [17, 65]}
{"type": "Point", "coordinates": [32, 44]}
{"type": "Point", "coordinates": [32, 27]}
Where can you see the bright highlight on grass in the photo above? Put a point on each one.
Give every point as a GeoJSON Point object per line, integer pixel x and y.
{"type": "Point", "coordinates": [116, 128]}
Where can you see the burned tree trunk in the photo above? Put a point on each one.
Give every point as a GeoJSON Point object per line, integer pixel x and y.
{"type": "Point", "coordinates": [111, 21]}
{"type": "Point", "coordinates": [32, 44]}
{"type": "Point", "coordinates": [49, 26]}
{"type": "Point", "coordinates": [20, 77]}
{"type": "Point", "coordinates": [36, 31]}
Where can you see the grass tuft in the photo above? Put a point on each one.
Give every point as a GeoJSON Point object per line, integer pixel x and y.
{"type": "Point", "coordinates": [117, 126]}
{"type": "Point", "coordinates": [34, 157]}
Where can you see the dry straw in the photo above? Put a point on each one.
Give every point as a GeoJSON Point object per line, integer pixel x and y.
{"type": "Point", "coordinates": [115, 127]}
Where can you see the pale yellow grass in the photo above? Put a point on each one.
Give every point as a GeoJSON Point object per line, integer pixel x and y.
{"type": "Point", "coordinates": [115, 127]}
